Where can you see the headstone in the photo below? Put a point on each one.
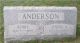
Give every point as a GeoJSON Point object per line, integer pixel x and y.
{"type": "Point", "coordinates": [30, 23]}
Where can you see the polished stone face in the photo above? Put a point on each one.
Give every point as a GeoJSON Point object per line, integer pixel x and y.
{"type": "Point", "coordinates": [29, 23]}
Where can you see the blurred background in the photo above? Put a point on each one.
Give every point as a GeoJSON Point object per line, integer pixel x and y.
{"type": "Point", "coordinates": [75, 3]}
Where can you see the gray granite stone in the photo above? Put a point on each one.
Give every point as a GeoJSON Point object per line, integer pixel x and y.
{"type": "Point", "coordinates": [30, 23]}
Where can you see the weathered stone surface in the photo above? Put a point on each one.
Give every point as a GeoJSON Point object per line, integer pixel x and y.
{"type": "Point", "coordinates": [29, 23]}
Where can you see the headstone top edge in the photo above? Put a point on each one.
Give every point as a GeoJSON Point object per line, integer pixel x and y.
{"type": "Point", "coordinates": [37, 7]}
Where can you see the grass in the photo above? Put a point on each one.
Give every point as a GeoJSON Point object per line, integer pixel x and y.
{"type": "Point", "coordinates": [41, 3]}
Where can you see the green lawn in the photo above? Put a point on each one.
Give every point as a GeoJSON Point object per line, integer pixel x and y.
{"type": "Point", "coordinates": [41, 3]}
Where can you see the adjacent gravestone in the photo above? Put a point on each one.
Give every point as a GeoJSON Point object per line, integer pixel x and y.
{"type": "Point", "coordinates": [29, 23]}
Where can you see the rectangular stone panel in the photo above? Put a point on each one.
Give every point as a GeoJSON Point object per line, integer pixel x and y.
{"type": "Point", "coordinates": [30, 23]}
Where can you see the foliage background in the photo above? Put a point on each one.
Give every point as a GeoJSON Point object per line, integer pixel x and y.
{"type": "Point", "coordinates": [41, 3]}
